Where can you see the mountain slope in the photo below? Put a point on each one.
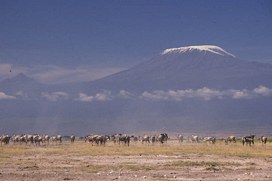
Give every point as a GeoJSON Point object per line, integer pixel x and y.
{"type": "Point", "coordinates": [194, 89]}
{"type": "Point", "coordinates": [189, 67]}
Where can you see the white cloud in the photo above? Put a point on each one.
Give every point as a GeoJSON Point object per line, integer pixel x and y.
{"type": "Point", "coordinates": [179, 95]}
{"type": "Point", "coordinates": [206, 94]}
{"type": "Point", "coordinates": [155, 95]}
{"type": "Point", "coordinates": [100, 96]}
{"type": "Point", "coordinates": [5, 96]}
{"type": "Point", "coordinates": [262, 90]}
{"type": "Point", "coordinates": [103, 96]}
{"type": "Point", "coordinates": [85, 98]}
{"type": "Point", "coordinates": [240, 94]}
{"type": "Point", "coordinates": [55, 96]}
{"type": "Point", "coordinates": [125, 94]}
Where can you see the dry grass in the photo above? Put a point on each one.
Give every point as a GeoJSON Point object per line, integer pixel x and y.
{"type": "Point", "coordinates": [62, 161]}
{"type": "Point", "coordinates": [171, 148]}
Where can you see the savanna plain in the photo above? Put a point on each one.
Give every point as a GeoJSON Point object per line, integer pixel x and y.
{"type": "Point", "coordinates": [168, 161]}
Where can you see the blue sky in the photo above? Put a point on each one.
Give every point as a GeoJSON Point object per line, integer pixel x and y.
{"type": "Point", "coordinates": [54, 39]}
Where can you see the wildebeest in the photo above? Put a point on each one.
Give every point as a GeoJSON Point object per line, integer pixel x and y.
{"type": "Point", "coordinates": [209, 139]}
{"type": "Point", "coordinates": [180, 138]}
{"type": "Point", "coordinates": [5, 139]}
{"type": "Point", "coordinates": [263, 139]}
{"type": "Point", "coordinates": [248, 140]}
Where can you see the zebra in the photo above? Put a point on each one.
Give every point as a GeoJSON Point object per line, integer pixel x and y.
{"type": "Point", "coordinates": [248, 140]}
{"type": "Point", "coordinates": [180, 138]}
{"type": "Point", "coordinates": [115, 138]}
{"type": "Point", "coordinates": [124, 138]}
{"type": "Point", "coordinates": [5, 139]}
{"type": "Point", "coordinates": [46, 138]}
{"type": "Point", "coordinates": [101, 139]}
{"type": "Point", "coordinates": [210, 140]}
{"type": "Point", "coordinates": [195, 139]}
{"type": "Point", "coordinates": [134, 138]}
{"type": "Point", "coordinates": [163, 137]}
{"type": "Point", "coordinates": [37, 139]}
{"type": "Point", "coordinates": [19, 138]}
{"type": "Point", "coordinates": [72, 138]}
{"type": "Point", "coordinates": [230, 139]}
{"type": "Point", "coordinates": [263, 139]}
{"type": "Point", "coordinates": [97, 139]}
{"type": "Point", "coordinates": [153, 139]}
{"type": "Point", "coordinates": [57, 138]}
{"type": "Point", "coordinates": [91, 138]}
{"type": "Point", "coordinates": [146, 139]}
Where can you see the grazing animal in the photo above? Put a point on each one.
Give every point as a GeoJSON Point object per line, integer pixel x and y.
{"type": "Point", "coordinates": [230, 139]}
{"type": "Point", "coordinates": [57, 138]}
{"type": "Point", "coordinates": [210, 140]}
{"type": "Point", "coordinates": [19, 138]}
{"type": "Point", "coordinates": [46, 138]}
{"type": "Point", "coordinates": [134, 138]}
{"type": "Point", "coordinates": [153, 139]}
{"type": "Point", "coordinates": [5, 139]}
{"type": "Point", "coordinates": [263, 139]}
{"type": "Point", "coordinates": [163, 137]}
{"type": "Point", "coordinates": [37, 139]}
{"type": "Point", "coordinates": [115, 138]}
{"type": "Point", "coordinates": [29, 138]}
{"type": "Point", "coordinates": [124, 139]}
{"type": "Point", "coordinates": [91, 138]}
{"type": "Point", "coordinates": [97, 139]}
{"type": "Point", "coordinates": [14, 138]}
{"type": "Point", "coordinates": [195, 139]}
{"type": "Point", "coordinates": [72, 138]}
{"type": "Point", "coordinates": [248, 140]}
{"type": "Point", "coordinates": [145, 139]}
{"type": "Point", "coordinates": [180, 138]}
{"type": "Point", "coordinates": [101, 139]}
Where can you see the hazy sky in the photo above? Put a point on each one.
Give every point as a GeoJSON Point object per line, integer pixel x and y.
{"type": "Point", "coordinates": [79, 38]}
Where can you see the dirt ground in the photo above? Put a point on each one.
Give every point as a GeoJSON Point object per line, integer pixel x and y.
{"type": "Point", "coordinates": [37, 163]}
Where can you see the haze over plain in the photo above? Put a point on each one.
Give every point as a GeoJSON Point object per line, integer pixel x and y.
{"type": "Point", "coordinates": [54, 57]}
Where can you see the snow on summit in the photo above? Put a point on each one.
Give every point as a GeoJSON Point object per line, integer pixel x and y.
{"type": "Point", "coordinates": [201, 48]}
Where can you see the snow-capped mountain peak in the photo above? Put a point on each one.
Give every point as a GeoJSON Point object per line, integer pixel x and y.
{"type": "Point", "coordinates": [201, 48]}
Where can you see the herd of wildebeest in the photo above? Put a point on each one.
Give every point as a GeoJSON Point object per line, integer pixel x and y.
{"type": "Point", "coordinates": [95, 139]}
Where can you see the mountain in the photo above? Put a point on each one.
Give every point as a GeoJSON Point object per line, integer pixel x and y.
{"type": "Point", "coordinates": [189, 67]}
{"type": "Point", "coordinates": [21, 84]}
{"type": "Point", "coordinates": [201, 89]}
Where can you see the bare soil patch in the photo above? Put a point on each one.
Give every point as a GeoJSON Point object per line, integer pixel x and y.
{"type": "Point", "coordinates": [81, 161]}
